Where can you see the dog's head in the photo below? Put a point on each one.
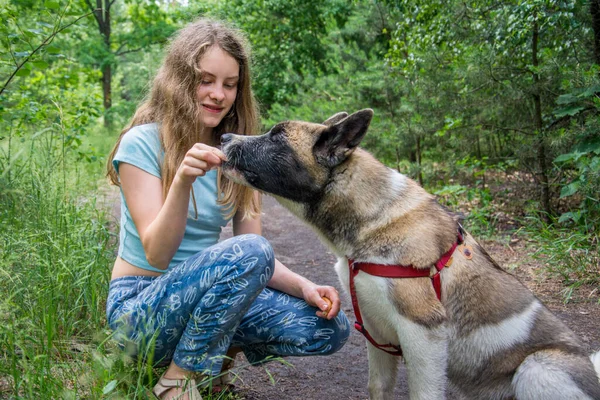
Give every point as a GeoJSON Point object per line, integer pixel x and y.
{"type": "Point", "coordinates": [295, 159]}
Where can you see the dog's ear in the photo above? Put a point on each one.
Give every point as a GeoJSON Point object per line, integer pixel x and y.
{"type": "Point", "coordinates": [334, 119]}
{"type": "Point", "coordinates": [339, 140]}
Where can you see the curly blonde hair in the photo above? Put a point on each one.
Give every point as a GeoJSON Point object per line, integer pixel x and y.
{"type": "Point", "coordinates": [172, 103]}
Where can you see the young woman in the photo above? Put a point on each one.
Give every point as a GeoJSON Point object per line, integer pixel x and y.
{"type": "Point", "coordinates": [177, 297]}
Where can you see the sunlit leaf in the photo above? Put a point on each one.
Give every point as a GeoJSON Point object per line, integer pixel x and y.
{"type": "Point", "coordinates": [570, 189]}
{"type": "Point", "coordinates": [110, 386]}
{"type": "Point", "coordinates": [53, 5]}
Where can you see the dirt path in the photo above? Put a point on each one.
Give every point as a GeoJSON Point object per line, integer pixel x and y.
{"type": "Point", "coordinates": [344, 374]}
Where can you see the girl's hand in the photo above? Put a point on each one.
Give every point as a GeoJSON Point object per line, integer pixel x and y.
{"type": "Point", "coordinates": [313, 295]}
{"type": "Point", "coordinates": [200, 159]}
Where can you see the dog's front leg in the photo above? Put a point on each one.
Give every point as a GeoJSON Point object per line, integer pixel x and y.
{"type": "Point", "coordinates": [382, 373]}
{"type": "Point", "coordinates": [426, 353]}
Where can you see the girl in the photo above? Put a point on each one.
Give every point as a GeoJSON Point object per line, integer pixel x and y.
{"type": "Point", "coordinates": [177, 297]}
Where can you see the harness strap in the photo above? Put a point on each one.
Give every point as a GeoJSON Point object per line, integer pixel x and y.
{"type": "Point", "coordinates": [359, 321]}
{"type": "Point", "coordinates": [396, 271]}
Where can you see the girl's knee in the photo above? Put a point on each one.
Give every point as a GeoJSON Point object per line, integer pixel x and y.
{"type": "Point", "coordinates": [341, 328]}
{"type": "Point", "coordinates": [329, 336]}
{"type": "Point", "coordinates": [256, 245]}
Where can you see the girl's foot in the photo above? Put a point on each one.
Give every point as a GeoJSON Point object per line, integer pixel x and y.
{"type": "Point", "coordinates": [184, 389]}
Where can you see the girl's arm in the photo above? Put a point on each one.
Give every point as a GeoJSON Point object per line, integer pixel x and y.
{"type": "Point", "coordinates": [161, 222]}
{"type": "Point", "coordinates": [290, 282]}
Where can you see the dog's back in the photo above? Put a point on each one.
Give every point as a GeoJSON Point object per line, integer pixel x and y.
{"type": "Point", "coordinates": [503, 342]}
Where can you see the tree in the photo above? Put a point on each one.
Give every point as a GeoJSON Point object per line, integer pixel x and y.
{"type": "Point", "coordinates": [495, 67]}
{"type": "Point", "coordinates": [140, 24]}
{"type": "Point", "coordinates": [101, 11]}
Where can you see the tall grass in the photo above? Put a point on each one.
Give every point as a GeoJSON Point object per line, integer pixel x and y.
{"type": "Point", "coordinates": [57, 246]}
{"type": "Point", "coordinates": [55, 254]}
{"type": "Point", "coordinates": [571, 254]}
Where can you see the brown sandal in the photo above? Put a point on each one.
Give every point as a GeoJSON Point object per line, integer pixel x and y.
{"type": "Point", "coordinates": [188, 386]}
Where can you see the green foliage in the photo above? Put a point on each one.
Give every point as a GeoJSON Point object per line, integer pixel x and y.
{"type": "Point", "coordinates": [453, 85]}
{"type": "Point", "coordinates": [581, 182]}
{"type": "Point", "coordinates": [55, 255]}
{"type": "Point", "coordinates": [477, 202]}
{"type": "Point", "coordinates": [288, 38]}
{"type": "Point", "coordinates": [572, 255]}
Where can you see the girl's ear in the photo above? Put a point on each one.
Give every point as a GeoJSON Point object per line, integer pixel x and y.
{"type": "Point", "coordinates": [338, 141]}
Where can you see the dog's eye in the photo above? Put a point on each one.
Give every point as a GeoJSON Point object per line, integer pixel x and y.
{"type": "Point", "coordinates": [276, 132]}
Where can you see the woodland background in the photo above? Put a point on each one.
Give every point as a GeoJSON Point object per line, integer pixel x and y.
{"type": "Point", "coordinates": [493, 106]}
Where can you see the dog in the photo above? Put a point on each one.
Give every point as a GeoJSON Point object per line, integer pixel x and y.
{"type": "Point", "coordinates": [486, 335]}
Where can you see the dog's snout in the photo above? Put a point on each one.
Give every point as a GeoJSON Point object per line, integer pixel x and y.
{"type": "Point", "coordinates": [226, 137]}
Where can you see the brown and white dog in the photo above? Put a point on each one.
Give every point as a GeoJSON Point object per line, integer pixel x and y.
{"type": "Point", "coordinates": [488, 336]}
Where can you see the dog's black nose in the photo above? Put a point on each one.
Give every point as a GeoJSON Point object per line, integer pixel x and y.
{"type": "Point", "coordinates": [226, 137]}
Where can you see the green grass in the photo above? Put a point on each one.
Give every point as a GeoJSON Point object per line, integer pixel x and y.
{"type": "Point", "coordinates": [55, 256]}
{"type": "Point", "coordinates": [571, 254]}
{"type": "Point", "coordinates": [56, 251]}
{"type": "Point", "coordinates": [474, 203]}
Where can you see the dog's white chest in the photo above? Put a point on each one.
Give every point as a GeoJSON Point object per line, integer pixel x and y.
{"type": "Point", "coordinates": [378, 313]}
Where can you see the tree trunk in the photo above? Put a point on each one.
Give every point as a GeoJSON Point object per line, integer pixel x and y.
{"type": "Point", "coordinates": [102, 15]}
{"type": "Point", "coordinates": [498, 140]}
{"type": "Point", "coordinates": [595, 12]}
{"type": "Point", "coordinates": [420, 176]}
{"type": "Point", "coordinates": [106, 87]}
{"type": "Point", "coordinates": [541, 135]}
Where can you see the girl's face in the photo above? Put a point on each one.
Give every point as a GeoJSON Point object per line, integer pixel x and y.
{"type": "Point", "coordinates": [218, 89]}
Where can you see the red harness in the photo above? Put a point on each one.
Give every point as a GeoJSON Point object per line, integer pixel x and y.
{"type": "Point", "coordinates": [395, 271]}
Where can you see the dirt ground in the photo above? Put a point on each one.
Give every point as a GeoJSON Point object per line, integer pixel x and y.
{"type": "Point", "coordinates": [344, 374]}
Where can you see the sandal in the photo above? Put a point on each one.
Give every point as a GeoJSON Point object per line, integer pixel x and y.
{"type": "Point", "coordinates": [188, 386]}
{"type": "Point", "coordinates": [224, 382]}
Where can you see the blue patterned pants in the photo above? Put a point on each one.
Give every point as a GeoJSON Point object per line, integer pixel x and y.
{"type": "Point", "coordinates": [218, 298]}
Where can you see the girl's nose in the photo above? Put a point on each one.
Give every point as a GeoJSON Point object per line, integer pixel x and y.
{"type": "Point", "coordinates": [218, 94]}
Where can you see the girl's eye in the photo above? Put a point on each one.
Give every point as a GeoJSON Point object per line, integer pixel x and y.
{"type": "Point", "coordinates": [206, 82]}
{"type": "Point", "coordinates": [231, 85]}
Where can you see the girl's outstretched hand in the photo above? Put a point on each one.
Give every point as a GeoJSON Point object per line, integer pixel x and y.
{"type": "Point", "coordinates": [200, 159]}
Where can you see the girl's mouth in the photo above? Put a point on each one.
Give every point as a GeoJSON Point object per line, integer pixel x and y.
{"type": "Point", "coordinates": [212, 109]}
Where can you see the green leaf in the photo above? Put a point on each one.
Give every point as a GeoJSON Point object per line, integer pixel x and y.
{"type": "Point", "coordinates": [589, 147]}
{"type": "Point", "coordinates": [590, 91]}
{"type": "Point", "coordinates": [574, 110]}
{"type": "Point", "coordinates": [570, 189]}
{"type": "Point", "coordinates": [40, 64]}
{"type": "Point", "coordinates": [574, 216]}
{"type": "Point", "coordinates": [23, 72]}
{"type": "Point", "coordinates": [53, 5]}
{"type": "Point", "coordinates": [110, 386]}
{"type": "Point", "coordinates": [565, 157]}
{"type": "Point", "coordinates": [567, 99]}
{"type": "Point", "coordinates": [52, 50]}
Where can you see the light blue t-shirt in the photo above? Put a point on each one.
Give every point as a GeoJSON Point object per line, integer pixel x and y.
{"type": "Point", "coordinates": [140, 147]}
